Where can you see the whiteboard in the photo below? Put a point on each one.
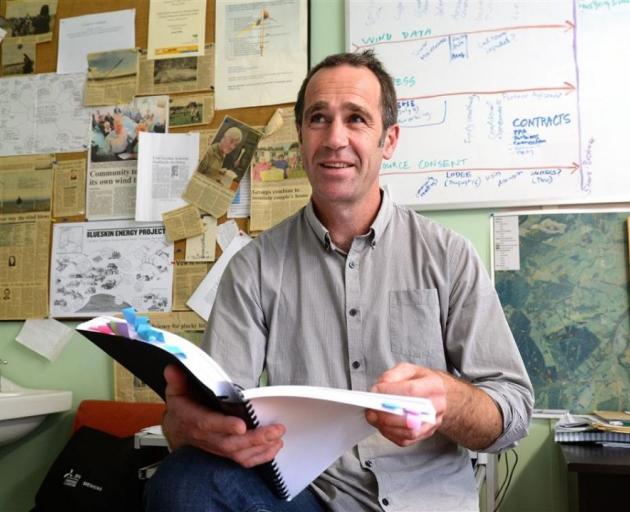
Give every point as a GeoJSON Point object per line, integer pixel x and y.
{"type": "Point", "coordinates": [503, 103]}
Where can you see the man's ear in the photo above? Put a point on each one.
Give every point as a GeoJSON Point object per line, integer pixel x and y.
{"type": "Point", "coordinates": [390, 141]}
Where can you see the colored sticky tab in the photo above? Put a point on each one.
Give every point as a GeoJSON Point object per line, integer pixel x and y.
{"type": "Point", "coordinates": [130, 315]}
{"type": "Point", "coordinates": [148, 333]}
{"type": "Point", "coordinates": [120, 328]}
{"type": "Point", "coordinates": [175, 351]}
{"type": "Point", "coordinates": [390, 405]}
{"type": "Point", "coordinates": [105, 329]}
{"type": "Point", "coordinates": [413, 421]}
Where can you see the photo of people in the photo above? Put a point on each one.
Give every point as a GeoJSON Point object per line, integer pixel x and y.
{"type": "Point", "coordinates": [166, 71]}
{"type": "Point", "coordinates": [114, 134]}
{"type": "Point", "coordinates": [185, 114]}
{"type": "Point", "coordinates": [18, 58]}
{"type": "Point", "coordinates": [30, 17]}
{"type": "Point", "coordinates": [277, 163]}
{"type": "Point", "coordinates": [230, 153]}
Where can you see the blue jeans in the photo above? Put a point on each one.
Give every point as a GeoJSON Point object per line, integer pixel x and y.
{"type": "Point", "coordinates": [191, 480]}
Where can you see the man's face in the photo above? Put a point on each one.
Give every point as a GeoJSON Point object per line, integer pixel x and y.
{"type": "Point", "coordinates": [341, 133]}
{"type": "Point", "coordinates": [228, 144]}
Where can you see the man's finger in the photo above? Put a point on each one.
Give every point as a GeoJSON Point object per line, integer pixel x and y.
{"type": "Point", "coordinates": [176, 382]}
{"type": "Point", "coordinates": [258, 454]}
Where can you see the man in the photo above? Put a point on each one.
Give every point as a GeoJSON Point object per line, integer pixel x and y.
{"type": "Point", "coordinates": [352, 292]}
{"type": "Point", "coordinates": [212, 163]}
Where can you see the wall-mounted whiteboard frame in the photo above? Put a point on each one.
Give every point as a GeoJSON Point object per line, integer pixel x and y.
{"type": "Point", "coordinates": [503, 104]}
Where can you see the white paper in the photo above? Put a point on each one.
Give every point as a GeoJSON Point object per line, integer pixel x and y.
{"type": "Point", "coordinates": [43, 113]}
{"type": "Point", "coordinates": [92, 33]}
{"type": "Point", "coordinates": [202, 300]}
{"type": "Point", "coordinates": [166, 162]}
{"type": "Point", "coordinates": [261, 52]}
{"type": "Point", "coordinates": [177, 28]}
{"type": "Point", "coordinates": [506, 246]}
{"type": "Point", "coordinates": [241, 204]}
{"type": "Point", "coordinates": [322, 423]}
{"type": "Point", "coordinates": [226, 233]}
{"type": "Point", "coordinates": [47, 337]}
{"type": "Point", "coordinates": [2, 34]}
{"type": "Point", "coordinates": [104, 267]}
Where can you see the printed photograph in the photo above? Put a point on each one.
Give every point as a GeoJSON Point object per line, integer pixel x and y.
{"type": "Point", "coordinates": [114, 133]}
{"type": "Point", "coordinates": [30, 17]}
{"type": "Point", "coordinates": [113, 64]}
{"type": "Point", "coordinates": [168, 71]}
{"type": "Point", "coordinates": [18, 58]}
{"type": "Point", "coordinates": [277, 163]}
{"type": "Point", "coordinates": [230, 153]}
{"type": "Point", "coordinates": [185, 113]}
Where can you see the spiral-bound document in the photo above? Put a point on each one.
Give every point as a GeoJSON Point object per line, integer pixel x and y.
{"type": "Point", "coordinates": [321, 423]}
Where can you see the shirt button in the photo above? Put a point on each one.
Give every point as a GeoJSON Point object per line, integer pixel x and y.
{"type": "Point", "coordinates": [352, 264]}
{"type": "Point", "coordinates": [368, 463]}
{"type": "Point", "coordinates": [355, 364]}
{"type": "Point", "coordinates": [385, 501]}
{"type": "Point", "coordinates": [353, 312]}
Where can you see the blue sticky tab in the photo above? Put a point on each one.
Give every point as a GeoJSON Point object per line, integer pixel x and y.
{"type": "Point", "coordinates": [390, 405]}
{"type": "Point", "coordinates": [141, 320]}
{"type": "Point", "coordinates": [175, 351]}
{"type": "Point", "coordinates": [130, 315]}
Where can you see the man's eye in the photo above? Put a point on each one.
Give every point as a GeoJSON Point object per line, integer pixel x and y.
{"type": "Point", "coordinates": [356, 118]}
{"type": "Point", "coordinates": [317, 119]}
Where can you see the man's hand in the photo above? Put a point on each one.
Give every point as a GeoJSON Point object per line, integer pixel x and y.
{"type": "Point", "coordinates": [187, 422]}
{"type": "Point", "coordinates": [410, 380]}
{"type": "Point", "coordinates": [464, 413]}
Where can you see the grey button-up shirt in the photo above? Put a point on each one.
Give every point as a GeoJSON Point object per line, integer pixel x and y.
{"type": "Point", "coordinates": [409, 290]}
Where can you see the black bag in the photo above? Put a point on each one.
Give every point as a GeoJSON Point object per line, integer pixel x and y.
{"type": "Point", "coordinates": [95, 472]}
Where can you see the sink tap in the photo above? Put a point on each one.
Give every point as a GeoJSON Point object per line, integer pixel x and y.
{"type": "Point", "coordinates": [2, 361]}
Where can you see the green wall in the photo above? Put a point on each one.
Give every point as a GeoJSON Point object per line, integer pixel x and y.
{"type": "Point", "coordinates": [540, 480]}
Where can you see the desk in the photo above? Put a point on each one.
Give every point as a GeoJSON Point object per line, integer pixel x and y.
{"type": "Point", "coordinates": [603, 475]}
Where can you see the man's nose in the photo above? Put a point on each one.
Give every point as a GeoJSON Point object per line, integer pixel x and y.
{"type": "Point", "coordinates": [337, 135]}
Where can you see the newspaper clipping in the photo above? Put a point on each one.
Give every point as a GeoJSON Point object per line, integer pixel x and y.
{"type": "Point", "coordinates": [111, 77]}
{"type": "Point", "coordinates": [187, 324]}
{"type": "Point", "coordinates": [182, 223]}
{"type": "Point", "coordinates": [278, 180]}
{"type": "Point", "coordinates": [111, 181]}
{"type": "Point", "coordinates": [24, 248]}
{"type": "Point", "coordinates": [26, 184]}
{"type": "Point", "coordinates": [99, 268]}
{"type": "Point", "coordinates": [183, 74]}
{"type": "Point", "coordinates": [186, 279]}
{"type": "Point", "coordinates": [227, 159]}
{"type": "Point", "coordinates": [69, 188]}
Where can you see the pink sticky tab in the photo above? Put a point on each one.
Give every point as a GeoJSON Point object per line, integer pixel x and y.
{"type": "Point", "coordinates": [413, 421]}
{"type": "Point", "coordinates": [105, 329]}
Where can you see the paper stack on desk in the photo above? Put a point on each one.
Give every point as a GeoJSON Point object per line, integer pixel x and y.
{"type": "Point", "coordinates": [599, 427]}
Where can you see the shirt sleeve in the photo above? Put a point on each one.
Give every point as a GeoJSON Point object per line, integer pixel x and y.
{"type": "Point", "coordinates": [236, 333]}
{"type": "Point", "coordinates": [481, 346]}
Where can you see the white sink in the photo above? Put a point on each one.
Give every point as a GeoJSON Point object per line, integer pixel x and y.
{"type": "Point", "coordinates": [23, 409]}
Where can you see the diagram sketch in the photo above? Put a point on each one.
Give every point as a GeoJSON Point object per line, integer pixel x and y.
{"type": "Point", "coordinates": [43, 113]}
{"type": "Point", "coordinates": [103, 267]}
{"type": "Point", "coordinates": [501, 103]}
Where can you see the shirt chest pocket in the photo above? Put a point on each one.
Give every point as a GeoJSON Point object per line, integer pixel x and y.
{"type": "Point", "coordinates": [414, 326]}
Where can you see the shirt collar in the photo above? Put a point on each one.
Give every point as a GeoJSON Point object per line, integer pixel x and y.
{"type": "Point", "coordinates": [377, 228]}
